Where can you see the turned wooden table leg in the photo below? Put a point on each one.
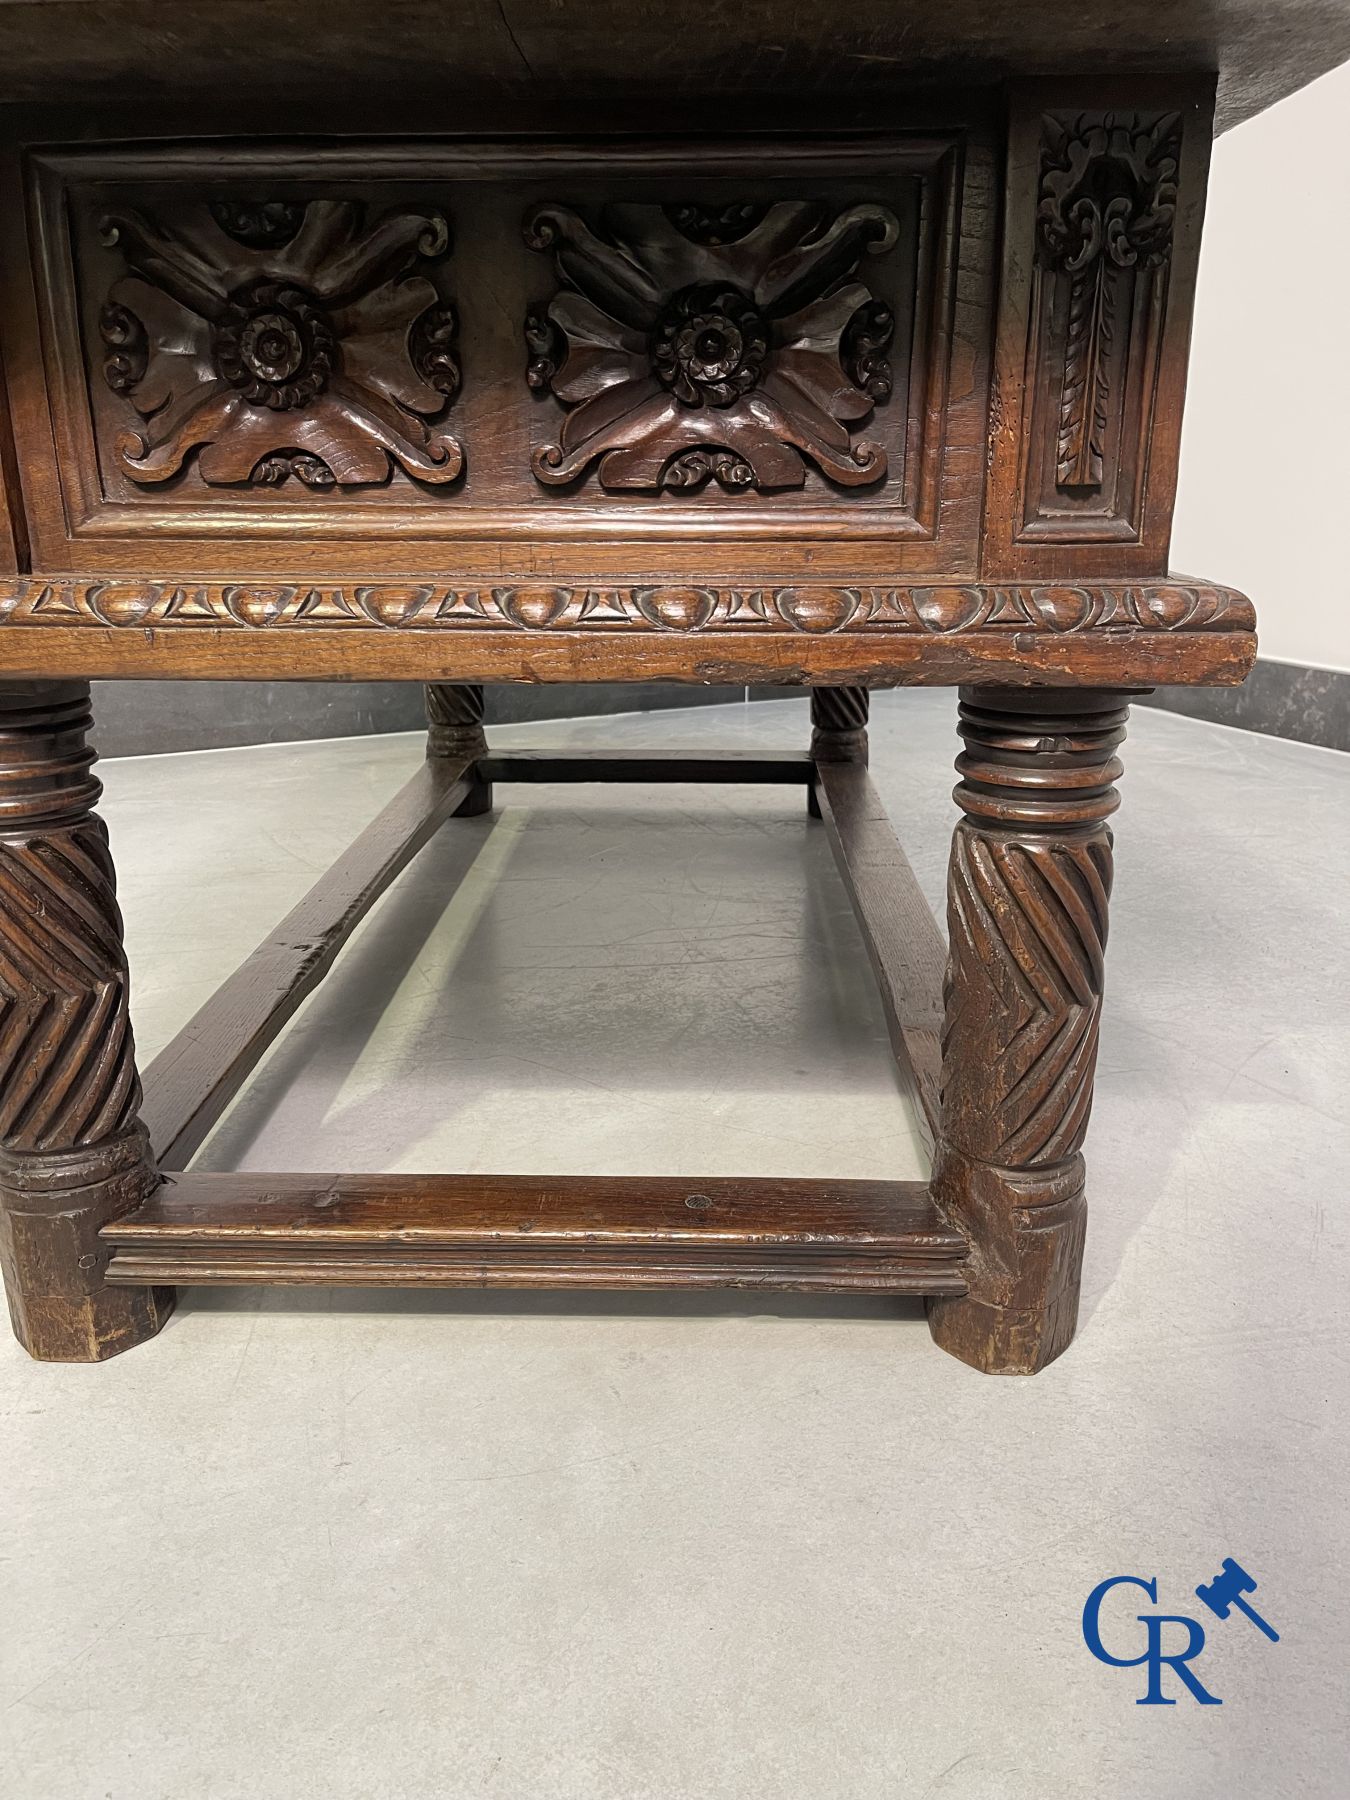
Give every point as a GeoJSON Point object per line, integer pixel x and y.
{"type": "Point", "coordinates": [838, 730]}
{"type": "Point", "coordinates": [73, 1153]}
{"type": "Point", "coordinates": [1027, 892]}
{"type": "Point", "coordinates": [455, 728]}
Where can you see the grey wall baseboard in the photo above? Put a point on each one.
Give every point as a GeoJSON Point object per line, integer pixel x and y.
{"type": "Point", "coordinates": [1288, 700]}
{"type": "Point", "coordinates": [142, 718]}
{"type": "Point", "coordinates": [139, 718]}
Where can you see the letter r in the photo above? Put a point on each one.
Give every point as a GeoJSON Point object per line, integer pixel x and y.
{"type": "Point", "coordinates": [1195, 1643]}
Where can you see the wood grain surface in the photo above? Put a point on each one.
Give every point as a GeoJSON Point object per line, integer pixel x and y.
{"type": "Point", "coordinates": [540, 1231]}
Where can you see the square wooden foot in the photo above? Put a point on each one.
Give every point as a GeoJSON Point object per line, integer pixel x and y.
{"type": "Point", "coordinates": [52, 1209]}
{"type": "Point", "coordinates": [1026, 1235]}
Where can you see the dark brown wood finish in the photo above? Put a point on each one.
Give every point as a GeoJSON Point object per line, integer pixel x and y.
{"type": "Point", "coordinates": [650, 766]}
{"type": "Point", "coordinates": [1027, 895]}
{"type": "Point", "coordinates": [73, 1153]}
{"type": "Point", "coordinates": [607, 352]}
{"type": "Point", "coordinates": [541, 1231]}
{"type": "Point", "coordinates": [536, 65]}
{"type": "Point", "coordinates": [1103, 213]}
{"type": "Point", "coordinates": [839, 724]}
{"type": "Point", "coordinates": [1145, 633]}
{"type": "Point", "coordinates": [730, 398]}
{"type": "Point", "coordinates": [230, 394]}
{"type": "Point", "coordinates": [455, 729]}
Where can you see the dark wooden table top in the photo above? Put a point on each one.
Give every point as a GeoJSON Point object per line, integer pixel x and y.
{"type": "Point", "coordinates": [487, 55]}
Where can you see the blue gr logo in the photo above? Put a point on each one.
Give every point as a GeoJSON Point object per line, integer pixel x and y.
{"type": "Point", "coordinates": [1173, 1640]}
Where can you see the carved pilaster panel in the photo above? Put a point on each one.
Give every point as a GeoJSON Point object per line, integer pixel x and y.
{"type": "Point", "coordinates": [1105, 215]}
{"type": "Point", "coordinates": [1100, 246]}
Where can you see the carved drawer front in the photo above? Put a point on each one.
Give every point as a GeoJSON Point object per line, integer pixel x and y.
{"type": "Point", "coordinates": [613, 353]}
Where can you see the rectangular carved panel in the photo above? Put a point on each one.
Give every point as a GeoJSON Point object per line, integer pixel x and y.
{"type": "Point", "coordinates": [740, 344]}
{"type": "Point", "coordinates": [1100, 243]}
{"type": "Point", "coordinates": [609, 361]}
{"type": "Point", "coordinates": [1104, 216]}
{"type": "Point", "coordinates": [260, 341]}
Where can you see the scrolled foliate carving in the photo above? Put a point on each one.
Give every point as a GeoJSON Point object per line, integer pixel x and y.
{"type": "Point", "coordinates": [128, 349]}
{"type": "Point", "coordinates": [277, 338]}
{"type": "Point", "coordinates": [431, 346]}
{"type": "Point", "coordinates": [712, 225]}
{"type": "Point", "coordinates": [1105, 214]}
{"type": "Point", "coordinates": [1108, 189]}
{"type": "Point", "coordinates": [545, 351]}
{"type": "Point", "coordinates": [691, 344]}
{"type": "Point", "coordinates": [866, 343]}
{"type": "Point", "coordinates": [311, 470]}
{"type": "Point", "coordinates": [261, 224]}
{"type": "Point", "coordinates": [691, 468]}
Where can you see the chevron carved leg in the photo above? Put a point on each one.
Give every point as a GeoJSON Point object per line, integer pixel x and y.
{"type": "Point", "coordinates": [455, 728]}
{"type": "Point", "coordinates": [1027, 891]}
{"type": "Point", "coordinates": [838, 730]}
{"type": "Point", "coordinates": [73, 1153]}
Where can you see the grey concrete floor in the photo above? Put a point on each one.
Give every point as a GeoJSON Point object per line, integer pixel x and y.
{"type": "Point", "coordinates": [350, 1545]}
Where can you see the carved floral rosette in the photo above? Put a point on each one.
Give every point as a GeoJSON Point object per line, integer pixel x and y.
{"type": "Point", "coordinates": [738, 345]}
{"type": "Point", "coordinates": [272, 341]}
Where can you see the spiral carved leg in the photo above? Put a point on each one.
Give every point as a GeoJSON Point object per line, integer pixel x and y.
{"type": "Point", "coordinates": [73, 1153]}
{"type": "Point", "coordinates": [1028, 885]}
{"type": "Point", "coordinates": [455, 728]}
{"type": "Point", "coordinates": [838, 730]}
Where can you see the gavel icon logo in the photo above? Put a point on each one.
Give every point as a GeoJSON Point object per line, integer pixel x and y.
{"type": "Point", "coordinates": [1226, 1591]}
{"type": "Point", "coordinates": [1163, 1631]}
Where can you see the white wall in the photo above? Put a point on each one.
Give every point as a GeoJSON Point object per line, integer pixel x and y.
{"type": "Point", "coordinates": [1264, 500]}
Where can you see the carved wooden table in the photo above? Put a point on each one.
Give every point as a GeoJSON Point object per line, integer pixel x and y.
{"type": "Point", "coordinates": [893, 399]}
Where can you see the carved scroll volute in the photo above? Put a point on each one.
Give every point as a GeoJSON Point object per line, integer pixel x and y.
{"type": "Point", "coordinates": [264, 341]}
{"type": "Point", "coordinates": [737, 345]}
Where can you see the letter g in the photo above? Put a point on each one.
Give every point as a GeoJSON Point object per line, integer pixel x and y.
{"type": "Point", "coordinates": [1092, 1611]}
